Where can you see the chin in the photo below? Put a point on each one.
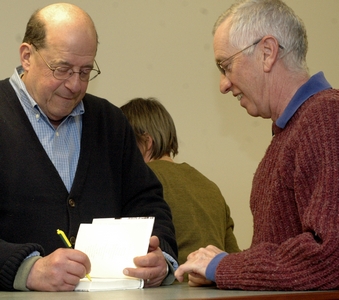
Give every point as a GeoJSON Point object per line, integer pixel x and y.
{"type": "Point", "coordinates": [252, 113]}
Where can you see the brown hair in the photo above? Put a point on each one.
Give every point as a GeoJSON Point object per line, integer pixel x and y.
{"type": "Point", "coordinates": [149, 116]}
{"type": "Point", "coordinates": [35, 31]}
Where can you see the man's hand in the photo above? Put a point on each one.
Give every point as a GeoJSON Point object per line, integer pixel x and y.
{"type": "Point", "coordinates": [151, 267]}
{"type": "Point", "coordinates": [59, 271]}
{"type": "Point", "coordinates": [196, 265]}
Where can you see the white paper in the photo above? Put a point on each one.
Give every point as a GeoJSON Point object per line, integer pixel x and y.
{"type": "Point", "coordinates": [112, 244]}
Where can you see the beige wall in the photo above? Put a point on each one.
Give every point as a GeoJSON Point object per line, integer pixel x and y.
{"type": "Point", "coordinates": [163, 48]}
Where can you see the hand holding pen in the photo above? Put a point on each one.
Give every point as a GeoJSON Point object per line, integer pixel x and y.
{"type": "Point", "coordinates": [68, 245]}
{"type": "Point", "coordinates": [60, 270]}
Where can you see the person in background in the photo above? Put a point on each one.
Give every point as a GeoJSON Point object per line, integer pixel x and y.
{"type": "Point", "coordinates": [260, 49]}
{"type": "Point", "coordinates": [200, 214]}
{"type": "Point", "coordinates": [68, 157]}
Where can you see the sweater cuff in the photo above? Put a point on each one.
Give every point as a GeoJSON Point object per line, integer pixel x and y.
{"type": "Point", "coordinates": [23, 272]}
{"type": "Point", "coordinates": [16, 255]}
{"type": "Point", "coordinates": [212, 266]}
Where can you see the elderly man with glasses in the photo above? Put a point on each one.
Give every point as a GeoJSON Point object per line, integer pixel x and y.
{"type": "Point", "coordinates": [67, 157]}
{"type": "Point", "coordinates": [260, 48]}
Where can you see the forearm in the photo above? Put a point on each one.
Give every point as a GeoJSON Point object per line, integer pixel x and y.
{"type": "Point", "coordinates": [297, 264]}
{"type": "Point", "coordinates": [11, 258]}
{"type": "Point", "coordinates": [23, 272]}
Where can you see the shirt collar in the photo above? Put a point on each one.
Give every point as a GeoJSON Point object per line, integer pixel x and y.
{"type": "Point", "coordinates": [26, 99]}
{"type": "Point", "coordinates": [315, 84]}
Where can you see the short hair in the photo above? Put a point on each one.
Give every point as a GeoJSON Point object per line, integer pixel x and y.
{"type": "Point", "coordinates": [35, 31]}
{"type": "Point", "coordinates": [149, 116]}
{"type": "Point", "coordinates": [253, 19]}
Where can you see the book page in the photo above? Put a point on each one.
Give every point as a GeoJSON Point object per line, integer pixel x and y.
{"type": "Point", "coordinates": [112, 244]}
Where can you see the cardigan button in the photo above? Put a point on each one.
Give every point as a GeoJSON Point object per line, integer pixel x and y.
{"type": "Point", "coordinates": [72, 240]}
{"type": "Point", "coordinates": [71, 203]}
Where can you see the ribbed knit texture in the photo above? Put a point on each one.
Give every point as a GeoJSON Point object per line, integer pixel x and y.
{"type": "Point", "coordinates": [295, 206]}
{"type": "Point", "coordinates": [15, 254]}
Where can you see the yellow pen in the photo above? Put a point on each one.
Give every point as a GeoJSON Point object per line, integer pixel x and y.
{"type": "Point", "coordinates": [68, 244]}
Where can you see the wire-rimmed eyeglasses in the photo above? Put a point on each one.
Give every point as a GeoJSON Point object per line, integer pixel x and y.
{"type": "Point", "coordinates": [63, 73]}
{"type": "Point", "coordinates": [220, 66]}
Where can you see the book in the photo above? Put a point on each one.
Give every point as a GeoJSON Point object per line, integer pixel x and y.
{"type": "Point", "coordinates": [108, 284]}
{"type": "Point", "coordinates": [111, 245]}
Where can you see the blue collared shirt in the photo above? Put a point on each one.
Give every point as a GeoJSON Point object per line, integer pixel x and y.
{"type": "Point", "coordinates": [315, 84]}
{"type": "Point", "coordinates": [61, 144]}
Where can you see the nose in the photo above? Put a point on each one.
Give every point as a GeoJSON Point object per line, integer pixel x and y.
{"type": "Point", "coordinates": [74, 83]}
{"type": "Point", "coordinates": [225, 84]}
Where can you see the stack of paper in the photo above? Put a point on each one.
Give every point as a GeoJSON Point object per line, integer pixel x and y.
{"type": "Point", "coordinates": [111, 245]}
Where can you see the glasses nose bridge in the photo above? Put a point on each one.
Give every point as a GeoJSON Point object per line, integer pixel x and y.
{"type": "Point", "coordinates": [78, 72]}
{"type": "Point", "coordinates": [72, 72]}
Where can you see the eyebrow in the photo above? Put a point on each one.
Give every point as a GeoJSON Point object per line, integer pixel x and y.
{"type": "Point", "coordinates": [66, 63]}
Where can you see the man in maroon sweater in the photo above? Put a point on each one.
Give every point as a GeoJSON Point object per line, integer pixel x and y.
{"type": "Point", "coordinates": [260, 49]}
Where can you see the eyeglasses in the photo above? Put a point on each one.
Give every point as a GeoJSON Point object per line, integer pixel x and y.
{"type": "Point", "coordinates": [63, 73]}
{"type": "Point", "coordinates": [223, 69]}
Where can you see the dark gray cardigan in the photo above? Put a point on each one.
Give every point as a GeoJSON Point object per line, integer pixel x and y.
{"type": "Point", "coordinates": [111, 180]}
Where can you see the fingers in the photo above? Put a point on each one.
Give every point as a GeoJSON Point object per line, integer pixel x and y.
{"type": "Point", "coordinates": [198, 280]}
{"type": "Point", "coordinates": [151, 267]}
{"type": "Point", "coordinates": [154, 243]}
{"type": "Point", "coordinates": [59, 271]}
{"type": "Point", "coordinates": [152, 276]}
{"type": "Point", "coordinates": [196, 274]}
{"type": "Point", "coordinates": [82, 259]}
{"type": "Point", "coordinates": [196, 265]}
{"type": "Point", "coordinates": [184, 268]}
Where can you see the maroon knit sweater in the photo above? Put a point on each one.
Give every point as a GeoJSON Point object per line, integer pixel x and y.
{"type": "Point", "coordinates": [295, 206]}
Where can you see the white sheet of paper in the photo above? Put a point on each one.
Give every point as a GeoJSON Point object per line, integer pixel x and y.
{"type": "Point", "coordinates": [111, 244]}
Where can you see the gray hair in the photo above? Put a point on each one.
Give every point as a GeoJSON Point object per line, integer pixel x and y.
{"type": "Point", "coordinates": [253, 19]}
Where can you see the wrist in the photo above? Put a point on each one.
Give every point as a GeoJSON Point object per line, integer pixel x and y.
{"type": "Point", "coordinates": [212, 266]}
{"type": "Point", "coordinates": [21, 281]}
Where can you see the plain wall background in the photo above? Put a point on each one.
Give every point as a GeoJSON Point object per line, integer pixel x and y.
{"type": "Point", "coordinates": [163, 48]}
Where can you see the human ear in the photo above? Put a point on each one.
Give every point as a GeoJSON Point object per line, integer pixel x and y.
{"type": "Point", "coordinates": [270, 47]}
{"type": "Point", "coordinates": [25, 55]}
{"type": "Point", "coordinates": [148, 142]}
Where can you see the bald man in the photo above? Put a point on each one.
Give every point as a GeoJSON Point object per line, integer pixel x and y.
{"type": "Point", "coordinates": [68, 157]}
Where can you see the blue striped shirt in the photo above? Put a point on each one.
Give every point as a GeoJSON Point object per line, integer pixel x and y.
{"type": "Point", "coordinates": [61, 144]}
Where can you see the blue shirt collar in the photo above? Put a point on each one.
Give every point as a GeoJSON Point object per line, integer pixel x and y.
{"type": "Point", "coordinates": [315, 84]}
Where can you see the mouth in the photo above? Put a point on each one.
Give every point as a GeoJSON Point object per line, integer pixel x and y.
{"type": "Point", "coordinates": [66, 98]}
